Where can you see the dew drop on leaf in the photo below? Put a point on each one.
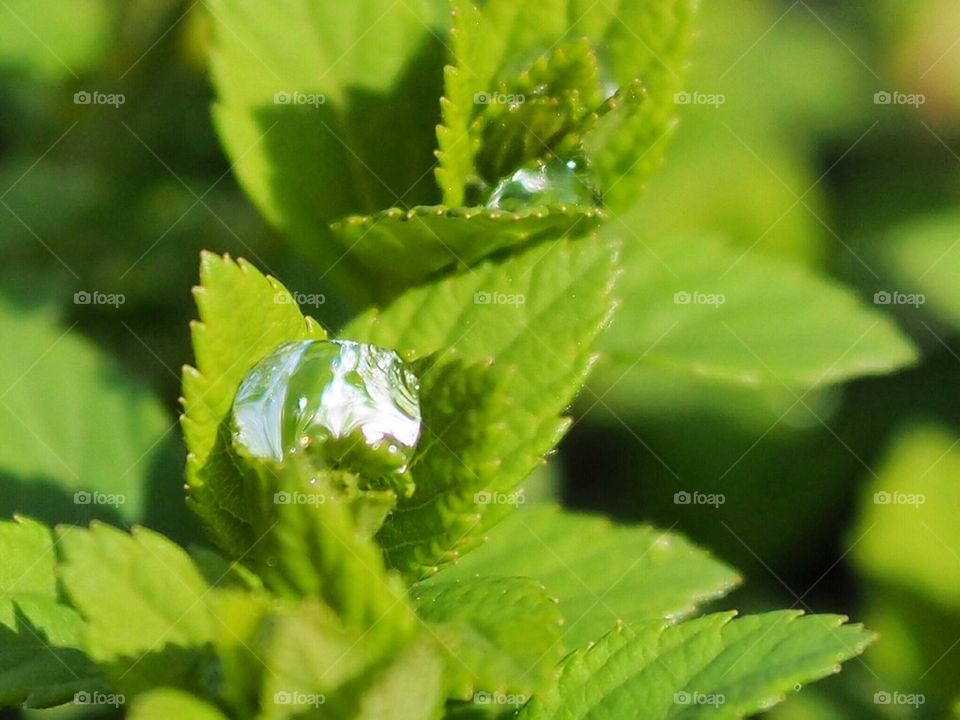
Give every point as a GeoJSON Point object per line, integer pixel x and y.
{"type": "Point", "coordinates": [344, 404]}
{"type": "Point", "coordinates": [545, 182]}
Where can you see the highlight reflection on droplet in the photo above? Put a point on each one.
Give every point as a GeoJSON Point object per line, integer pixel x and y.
{"type": "Point", "coordinates": [345, 404]}
{"type": "Point", "coordinates": [545, 182]}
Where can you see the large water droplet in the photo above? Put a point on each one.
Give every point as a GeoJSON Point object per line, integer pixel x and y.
{"type": "Point", "coordinates": [545, 182]}
{"type": "Point", "coordinates": [344, 404]}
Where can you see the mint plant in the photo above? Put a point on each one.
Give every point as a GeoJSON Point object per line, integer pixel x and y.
{"type": "Point", "coordinates": [336, 587]}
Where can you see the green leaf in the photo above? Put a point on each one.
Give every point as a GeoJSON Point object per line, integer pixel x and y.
{"type": "Point", "coordinates": [373, 72]}
{"type": "Point", "coordinates": [461, 409]}
{"type": "Point", "coordinates": [712, 667]}
{"type": "Point", "coordinates": [484, 42]}
{"type": "Point", "coordinates": [907, 524]}
{"type": "Point", "coordinates": [41, 660]}
{"type": "Point", "coordinates": [645, 40]}
{"type": "Point", "coordinates": [904, 549]}
{"type": "Point", "coordinates": [560, 295]}
{"type": "Point", "coordinates": [51, 46]}
{"type": "Point", "coordinates": [405, 247]}
{"type": "Point", "coordinates": [243, 317]}
{"type": "Point", "coordinates": [315, 661]}
{"type": "Point", "coordinates": [694, 306]}
{"type": "Point", "coordinates": [167, 703]}
{"type": "Point", "coordinates": [625, 574]}
{"type": "Point", "coordinates": [502, 634]}
{"type": "Point", "coordinates": [72, 425]}
{"type": "Point", "coordinates": [923, 257]}
{"type": "Point", "coordinates": [143, 600]}
{"type": "Point", "coordinates": [411, 688]}
{"type": "Point", "coordinates": [315, 549]}
{"type": "Point", "coordinates": [237, 639]}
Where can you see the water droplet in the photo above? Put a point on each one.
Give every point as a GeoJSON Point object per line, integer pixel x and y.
{"type": "Point", "coordinates": [343, 404]}
{"type": "Point", "coordinates": [545, 182]}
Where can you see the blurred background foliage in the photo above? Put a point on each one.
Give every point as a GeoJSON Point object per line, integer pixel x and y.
{"type": "Point", "coordinates": [798, 163]}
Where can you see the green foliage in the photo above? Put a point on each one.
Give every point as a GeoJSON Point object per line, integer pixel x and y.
{"type": "Point", "coordinates": [357, 675]}
{"type": "Point", "coordinates": [923, 258]}
{"type": "Point", "coordinates": [371, 72]}
{"type": "Point", "coordinates": [405, 248]}
{"type": "Point", "coordinates": [316, 549]}
{"type": "Point", "coordinates": [570, 54]}
{"type": "Point", "coordinates": [697, 307]}
{"type": "Point", "coordinates": [143, 602]}
{"type": "Point", "coordinates": [904, 548]}
{"type": "Point", "coordinates": [502, 634]}
{"type": "Point", "coordinates": [41, 658]}
{"type": "Point", "coordinates": [347, 596]}
{"type": "Point", "coordinates": [541, 343]}
{"type": "Point", "coordinates": [243, 316]}
{"type": "Point", "coordinates": [51, 45]}
{"type": "Point", "coordinates": [711, 667]}
{"type": "Point", "coordinates": [59, 395]}
{"type": "Point", "coordinates": [625, 574]}
{"type": "Point", "coordinates": [169, 703]}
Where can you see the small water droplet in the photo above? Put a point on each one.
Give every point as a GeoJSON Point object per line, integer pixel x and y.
{"type": "Point", "coordinates": [343, 403]}
{"type": "Point", "coordinates": [545, 182]}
